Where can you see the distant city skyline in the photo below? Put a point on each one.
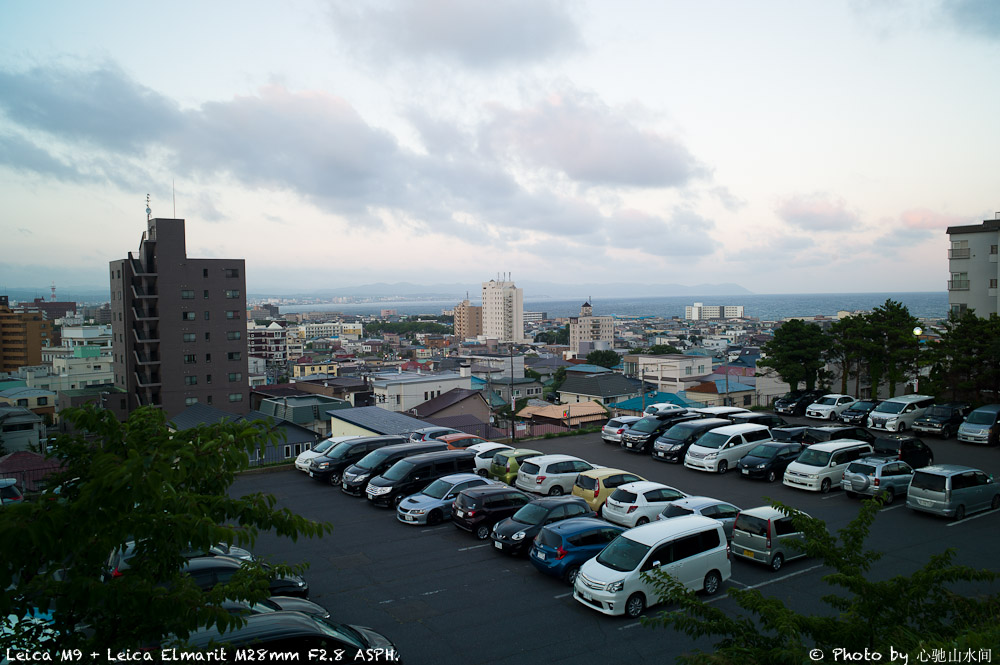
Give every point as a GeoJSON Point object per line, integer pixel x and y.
{"type": "Point", "coordinates": [780, 146]}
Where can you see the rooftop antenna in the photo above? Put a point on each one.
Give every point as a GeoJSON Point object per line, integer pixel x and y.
{"type": "Point", "coordinates": [53, 291]}
{"type": "Point", "coordinates": [149, 212]}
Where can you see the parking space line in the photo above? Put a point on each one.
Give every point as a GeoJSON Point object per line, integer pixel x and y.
{"type": "Point", "coordinates": [898, 505]}
{"type": "Point", "coordinates": [732, 581]}
{"type": "Point", "coordinates": [785, 577]}
{"type": "Point", "coordinates": [437, 528]}
{"type": "Point", "coordinates": [474, 547]}
{"type": "Point", "coordinates": [974, 517]}
{"type": "Point", "coordinates": [563, 595]}
{"type": "Point", "coordinates": [830, 496]}
{"type": "Point", "coordinates": [631, 625]}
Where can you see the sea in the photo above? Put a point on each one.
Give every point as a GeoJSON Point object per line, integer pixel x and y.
{"type": "Point", "coordinates": [766, 307]}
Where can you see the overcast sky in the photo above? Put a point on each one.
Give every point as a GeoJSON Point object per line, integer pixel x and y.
{"type": "Point", "coordinates": [788, 147]}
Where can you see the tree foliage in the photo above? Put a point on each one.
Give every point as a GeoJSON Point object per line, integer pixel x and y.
{"type": "Point", "coordinates": [663, 350]}
{"type": "Point", "coordinates": [893, 349]}
{"type": "Point", "coordinates": [560, 336]}
{"type": "Point", "coordinates": [607, 358]}
{"type": "Point", "coordinates": [965, 364]}
{"type": "Point", "coordinates": [138, 481]}
{"type": "Point", "coordinates": [797, 353]}
{"type": "Point", "coordinates": [904, 612]}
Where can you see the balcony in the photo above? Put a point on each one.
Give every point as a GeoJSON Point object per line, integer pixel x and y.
{"type": "Point", "coordinates": [147, 337]}
{"type": "Point", "coordinates": [145, 313]}
{"type": "Point", "coordinates": [144, 380]}
{"type": "Point", "coordinates": [958, 285]}
{"type": "Point", "coordinates": [139, 292]}
{"type": "Point", "coordinates": [146, 358]}
{"type": "Point", "coordinates": [963, 253]}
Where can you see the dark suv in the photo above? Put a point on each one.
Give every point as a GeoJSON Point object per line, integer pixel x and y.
{"type": "Point", "coordinates": [514, 534]}
{"type": "Point", "coordinates": [640, 435]}
{"type": "Point", "coordinates": [477, 509]}
{"type": "Point", "coordinates": [941, 419]}
{"type": "Point", "coordinates": [904, 447]}
{"type": "Point", "coordinates": [857, 413]}
{"type": "Point", "coordinates": [329, 467]}
{"type": "Point", "coordinates": [826, 433]}
{"type": "Point", "coordinates": [796, 402]}
{"type": "Point", "coordinates": [379, 461]}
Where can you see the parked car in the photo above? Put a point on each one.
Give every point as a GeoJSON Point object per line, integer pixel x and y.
{"type": "Point", "coordinates": [460, 440]}
{"type": "Point", "coordinates": [9, 493]}
{"type": "Point", "coordinates": [769, 460]}
{"type": "Point", "coordinates": [435, 432]}
{"type": "Point", "coordinates": [869, 476]}
{"type": "Point", "coordinates": [789, 434]}
{"type": "Point", "coordinates": [857, 413]}
{"type": "Point", "coordinates": [561, 548]}
{"type": "Point", "coordinates": [672, 445]}
{"type": "Point", "coordinates": [432, 505]}
{"type": "Point", "coordinates": [550, 474]}
{"type": "Point", "coordinates": [719, 411]}
{"type": "Point", "coordinates": [952, 490]}
{"type": "Point", "coordinates": [513, 535]}
{"type": "Point", "coordinates": [766, 535]}
{"type": "Point", "coordinates": [635, 504]}
{"type": "Point", "coordinates": [210, 571]}
{"type": "Point", "coordinates": [484, 455]}
{"type": "Point", "coordinates": [356, 477]}
{"type": "Point", "coordinates": [122, 557]}
{"type": "Point", "coordinates": [981, 426]}
{"type": "Point", "coordinates": [722, 512]}
{"type": "Point", "coordinates": [276, 604]}
{"type": "Point", "coordinates": [796, 402]}
{"type": "Point", "coordinates": [824, 433]}
{"type": "Point", "coordinates": [639, 437]}
{"type": "Point", "coordinates": [414, 472]}
{"type": "Point", "coordinates": [477, 509]}
{"type": "Point", "coordinates": [690, 549]}
{"type": "Point", "coordinates": [596, 486]}
{"type": "Point", "coordinates": [506, 463]}
{"type": "Point", "coordinates": [769, 420]}
{"type": "Point", "coordinates": [614, 428]}
{"type": "Point", "coordinates": [910, 449]}
{"type": "Point", "coordinates": [718, 449]}
{"type": "Point", "coordinates": [942, 419]}
{"type": "Point", "coordinates": [302, 461]}
{"type": "Point", "coordinates": [330, 466]}
{"type": "Point", "coordinates": [821, 465]}
{"type": "Point", "coordinates": [663, 408]}
{"type": "Point", "coordinates": [829, 407]}
{"type": "Point", "coordinates": [897, 413]}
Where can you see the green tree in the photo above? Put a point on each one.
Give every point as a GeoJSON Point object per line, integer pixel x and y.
{"type": "Point", "coordinates": [965, 364]}
{"type": "Point", "coordinates": [560, 336]}
{"type": "Point", "coordinates": [893, 349]}
{"type": "Point", "coordinates": [167, 491]}
{"type": "Point", "coordinates": [607, 359]}
{"type": "Point", "coordinates": [904, 612]}
{"type": "Point", "coordinates": [557, 379]}
{"type": "Point", "coordinates": [797, 352]}
{"type": "Point", "coordinates": [662, 350]}
{"type": "Point", "coordinates": [849, 341]}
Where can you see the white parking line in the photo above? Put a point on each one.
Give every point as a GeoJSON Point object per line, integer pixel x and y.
{"type": "Point", "coordinates": [630, 625]}
{"type": "Point", "coordinates": [830, 496]}
{"type": "Point", "coordinates": [898, 505]}
{"type": "Point", "coordinates": [974, 517]}
{"type": "Point", "coordinates": [474, 547]}
{"type": "Point", "coordinates": [436, 528]}
{"type": "Point", "coordinates": [785, 577]}
{"type": "Point", "coordinates": [563, 595]}
{"type": "Point", "coordinates": [732, 581]}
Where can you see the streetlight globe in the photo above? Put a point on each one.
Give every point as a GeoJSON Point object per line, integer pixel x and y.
{"type": "Point", "coordinates": [918, 331]}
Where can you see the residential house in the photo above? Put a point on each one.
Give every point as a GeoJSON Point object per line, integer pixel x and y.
{"type": "Point", "coordinates": [670, 373]}
{"type": "Point", "coordinates": [309, 411]}
{"type": "Point", "coordinates": [20, 428]}
{"type": "Point", "coordinates": [36, 400]}
{"type": "Point", "coordinates": [402, 391]}
{"type": "Point", "coordinates": [455, 402]}
{"type": "Point", "coordinates": [722, 392]}
{"type": "Point", "coordinates": [606, 388]}
{"type": "Point", "coordinates": [371, 421]}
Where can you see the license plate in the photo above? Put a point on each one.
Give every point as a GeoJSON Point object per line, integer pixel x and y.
{"type": "Point", "coordinates": [311, 474]}
{"type": "Point", "coordinates": [924, 502]}
{"type": "Point", "coordinates": [344, 484]}
{"type": "Point", "coordinates": [661, 454]}
{"type": "Point", "coordinates": [540, 555]}
{"type": "Point", "coordinates": [586, 596]}
{"type": "Point", "coordinates": [409, 518]}
{"type": "Point", "coordinates": [497, 545]}
{"type": "Point", "coordinates": [745, 472]}
{"type": "Point", "coordinates": [459, 513]}
{"type": "Point", "coordinates": [748, 553]}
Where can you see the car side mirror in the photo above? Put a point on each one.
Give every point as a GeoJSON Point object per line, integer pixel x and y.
{"type": "Point", "coordinates": [655, 564]}
{"type": "Point", "coordinates": [450, 496]}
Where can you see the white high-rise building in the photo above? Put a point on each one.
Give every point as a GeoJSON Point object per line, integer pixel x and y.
{"type": "Point", "coordinates": [503, 311]}
{"type": "Point", "coordinates": [701, 311]}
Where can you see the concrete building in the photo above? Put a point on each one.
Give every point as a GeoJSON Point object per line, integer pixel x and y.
{"type": "Point", "coordinates": [270, 343]}
{"type": "Point", "coordinates": [590, 333]}
{"type": "Point", "coordinates": [669, 373]}
{"type": "Point", "coordinates": [974, 268]}
{"type": "Point", "coordinates": [699, 312]}
{"type": "Point", "coordinates": [403, 391]}
{"type": "Point", "coordinates": [503, 311]}
{"type": "Point", "coordinates": [179, 337]}
{"type": "Point", "coordinates": [52, 309]}
{"type": "Point", "coordinates": [468, 320]}
{"type": "Point", "coordinates": [84, 366]}
{"type": "Point", "coordinates": [22, 337]}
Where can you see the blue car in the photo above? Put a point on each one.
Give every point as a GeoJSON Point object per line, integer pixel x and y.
{"type": "Point", "coordinates": [561, 548]}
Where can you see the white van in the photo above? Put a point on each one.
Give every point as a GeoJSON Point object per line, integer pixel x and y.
{"type": "Point", "coordinates": [719, 449]}
{"type": "Point", "coordinates": [898, 413]}
{"type": "Point", "coordinates": [663, 408]}
{"type": "Point", "coordinates": [821, 466]}
{"type": "Point", "coordinates": [691, 549]}
{"type": "Point", "coordinates": [719, 411]}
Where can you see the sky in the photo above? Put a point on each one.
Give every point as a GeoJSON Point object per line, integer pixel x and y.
{"type": "Point", "coordinates": [787, 147]}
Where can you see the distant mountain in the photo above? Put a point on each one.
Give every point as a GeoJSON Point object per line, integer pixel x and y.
{"type": "Point", "coordinates": [82, 294]}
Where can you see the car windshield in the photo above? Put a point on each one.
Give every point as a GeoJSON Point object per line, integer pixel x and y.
{"type": "Point", "coordinates": [646, 425]}
{"type": "Point", "coordinates": [398, 470]}
{"type": "Point", "coordinates": [501, 459]}
{"type": "Point", "coordinates": [889, 407]}
{"type": "Point", "coordinates": [437, 489]}
{"type": "Point", "coordinates": [622, 554]}
{"type": "Point", "coordinates": [812, 457]}
{"type": "Point", "coordinates": [529, 468]}
{"type": "Point", "coordinates": [338, 450]}
{"type": "Point", "coordinates": [763, 452]}
{"type": "Point", "coordinates": [623, 496]}
{"type": "Point", "coordinates": [680, 433]}
{"type": "Point", "coordinates": [323, 446]}
{"type": "Point", "coordinates": [863, 405]}
{"type": "Point", "coordinates": [712, 440]}
{"type": "Point", "coordinates": [585, 482]}
{"type": "Point", "coordinates": [531, 513]}
{"type": "Point", "coordinates": [928, 481]}
{"type": "Point", "coordinates": [937, 412]}
{"type": "Point", "coordinates": [753, 525]}
{"type": "Point", "coordinates": [372, 460]}
{"type": "Point", "coordinates": [488, 454]}
{"type": "Point", "coordinates": [828, 401]}
{"type": "Point", "coordinates": [341, 632]}
{"type": "Point", "coordinates": [980, 418]}
{"type": "Point", "coordinates": [785, 435]}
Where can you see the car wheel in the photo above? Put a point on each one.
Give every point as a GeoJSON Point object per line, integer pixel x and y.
{"type": "Point", "coordinates": [960, 513]}
{"type": "Point", "coordinates": [777, 562]}
{"type": "Point", "coordinates": [824, 486]}
{"type": "Point", "coordinates": [434, 517]}
{"type": "Point", "coordinates": [556, 491]}
{"type": "Point", "coordinates": [635, 605]}
{"type": "Point", "coordinates": [833, 416]}
{"type": "Point", "coordinates": [996, 502]}
{"type": "Point", "coordinates": [888, 497]}
{"type": "Point", "coordinates": [482, 532]}
{"type": "Point", "coordinates": [641, 521]}
{"type": "Point", "coordinates": [335, 479]}
{"type": "Point", "coordinates": [723, 466]}
{"type": "Point", "coordinates": [483, 473]}
{"type": "Point", "coordinates": [771, 476]}
{"type": "Point", "coordinates": [571, 575]}
{"type": "Point", "coordinates": [900, 427]}
{"type": "Point", "coordinates": [712, 583]}
{"type": "Point", "coordinates": [946, 432]}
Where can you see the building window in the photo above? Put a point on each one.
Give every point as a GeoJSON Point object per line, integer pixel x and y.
{"type": "Point", "coordinates": [288, 452]}
{"type": "Point", "coordinates": [209, 398]}
{"type": "Point", "coordinates": [208, 378]}
{"type": "Point", "coordinates": [190, 401]}
{"type": "Point", "coordinates": [190, 359]}
{"type": "Point", "coordinates": [234, 355]}
{"type": "Point", "coordinates": [993, 249]}
{"type": "Point", "coordinates": [208, 337]}
{"type": "Point", "coordinates": [231, 293]}
{"type": "Point", "coordinates": [190, 337]}
{"type": "Point", "coordinates": [235, 397]}
{"type": "Point", "coordinates": [232, 314]}
{"type": "Point", "coordinates": [187, 316]}
{"type": "Point", "coordinates": [993, 283]}
{"type": "Point", "coordinates": [206, 315]}
{"type": "Point", "coordinates": [234, 334]}
{"type": "Point", "coordinates": [204, 272]}
{"type": "Point", "coordinates": [232, 272]}
{"type": "Point", "coordinates": [187, 294]}
{"type": "Point", "coordinates": [236, 376]}
{"type": "Point", "coordinates": [208, 357]}
{"type": "Point", "coordinates": [687, 370]}
{"type": "Point", "coordinates": [42, 401]}
{"type": "Point", "coordinates": [190, 380]}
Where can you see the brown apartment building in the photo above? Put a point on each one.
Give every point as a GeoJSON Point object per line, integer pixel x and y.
{"type": "Point", "coordinates": [179, 332]}
{"type": "Point", "coordinates": [22, 336]}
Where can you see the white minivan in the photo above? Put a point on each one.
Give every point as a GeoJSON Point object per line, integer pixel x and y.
{"type": "Point", "coordinates": [898, 413]}
{"type": "Point", "coordinates": [690, 549]}
{"type": "Point", "coordinates": [821, 466]}
{"type": "Point", "coordinates": [719, 449]}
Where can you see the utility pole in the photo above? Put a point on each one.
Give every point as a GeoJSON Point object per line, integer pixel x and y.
{"type": "Point", "coordinates": [513, 402]}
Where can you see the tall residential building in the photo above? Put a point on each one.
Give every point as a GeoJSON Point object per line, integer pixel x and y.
{"type": "Point", "coordinates": [178, 329]}
{"type": "Point", "coordinates": [700, 311]}
{"type": "Point", "coordinates": [468, 320]}
{"type": "Point", "coordinates": [974, 268]}
{"type": "Point", "coordinates": [22, 336]}
{"type": "Point", "coordinates": [503, 311]}
{"type": "Point", "coordinates": [269, 342]}
{"type": "Point", "coordinates": [590, 333]}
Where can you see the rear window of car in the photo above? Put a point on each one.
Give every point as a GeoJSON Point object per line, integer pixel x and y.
{"type": "Point", "coordinates": [623, 496]}
{"type": "Point", "coordinates": [753, 525]}
{"type": "Point", "coordinates": [585, 482]}
{"type": "Point", "coordinates": [928, 481]}
{"type": "Point", "coordinates": [863, 469]}
{"type": "Point", "coordinates": [501, 459]}
{"type": "Point", "coordinates": [886, 446]}
{"type": "Point", "coordinates": [548, 538]}
{"type": "Point", "coordinates": [676, 511]}
{"type": "Point", "coordinates": [614, 424]}
{"type": "Point", "coordinates": [530, 468]}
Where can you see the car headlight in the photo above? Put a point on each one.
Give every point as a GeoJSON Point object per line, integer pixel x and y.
{"type": "Point", "coordinates": [300, 583]}
{"type": "Point", "coordinates": [323, 465]}
{"type": "Point", "coordinates": [518, 536]}
{"type": "Point", "coordinates": [616, 586]}
{"type": "Point", "coordinates": [417, 512]}
{"type": "Point", "coordinates": [495, 527]}
{"type": "Point", "coordinates": [812, 476]}
{"type": "Point", "coordinates": [711, 455]}
{"type": "Point", "coordinates": [677, 447]}
{"type": "Point", "coordinates": [760, 466]}
{"type": "Point", "coordinates": [362, 478]}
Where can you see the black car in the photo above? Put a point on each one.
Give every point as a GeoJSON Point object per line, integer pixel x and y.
{"type": "Point", "coordinates": [790, 434]}
{"type": "Point", "coordinates": [356, 476]}
{"type": "Point", "coordinates": [477, 509]}
{"type": "Point", "coordinates": [329, 467]}
{"type": "Point", "coordinates": [514, 534]}
{"type": "Point", "coordinates": [415, 472]}
{"type": "Point", "coordinates": [941, 419]}
{"type": "Point", "coordinates": [672, 445]}
{"type": "Point", "coordinates": [769, 420]}
{"type": "Point", "coordinates": [857, 413]}
{"type": "Point", "coordinates": [796, 402]}
{"type": "Point", "coordinates": [640, 435]}
{"type": "Point", "coordinates": [904, 447]}
{"type": "Point", "coordinates": [209, 571]}
{"type": "Point", "coordinates": [825, 433]}
{"type": "Point", "coordinates": [768, 460]}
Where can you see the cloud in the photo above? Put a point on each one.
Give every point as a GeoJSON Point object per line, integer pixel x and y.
{"type": "Point", "coordinates": [817, 212]}
{"type": "Point", "coordinates": [730, 201]}
{"type": "Point", "coordinates": [478, 35]}
{"type": "Point", "coordinates": [589, 142]}
{"type": "Point", "coordinates": [976, 17]}
{"type": "Point", "coordinates": [905, 237]}
{"type": "Point", "coordinates": [921, 218]}
{"type": "Point", "coordinates": [684, 233]}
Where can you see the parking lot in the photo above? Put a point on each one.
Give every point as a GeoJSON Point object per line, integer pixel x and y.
{"type": "Point", "coordinates": [444, 597]}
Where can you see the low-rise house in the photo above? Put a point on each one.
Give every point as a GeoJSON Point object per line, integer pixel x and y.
{"type": "Point", "coordinates": [20, 428]}
{"type": "Point", "coordinates": [605, 388]}
{"type": "Point", "coordinates": [722, 392]}
{"type": "Point", "coordinates": [371, 421]}
{"type": "Point", "coordinates": [455, 402]}
{"type": "Point", "coordinates": [309, 411]}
